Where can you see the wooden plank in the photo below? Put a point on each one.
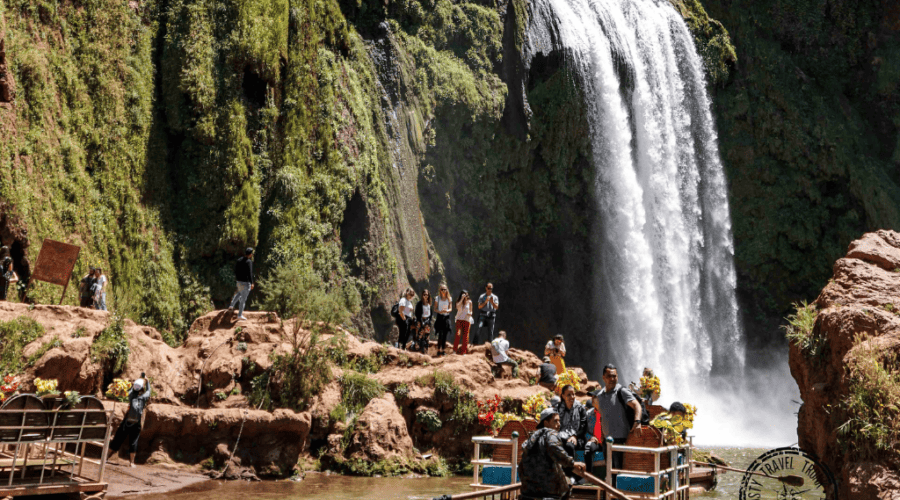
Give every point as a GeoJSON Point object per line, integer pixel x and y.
{"type": "Point", "coordinates": [50, 489]}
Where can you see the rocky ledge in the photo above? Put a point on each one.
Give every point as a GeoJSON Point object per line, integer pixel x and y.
{"type": "Point", "coordinates": [844, 356]}
{"type": "Point", "coordinates": [195, 421]}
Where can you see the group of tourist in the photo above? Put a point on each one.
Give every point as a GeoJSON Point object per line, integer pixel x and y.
{"type": "Point", "coordinates": [93, 289]}
{"type": "Point", "coordinates": [415, 322]}
{"type": "Point", "coordinates": [567, 426]}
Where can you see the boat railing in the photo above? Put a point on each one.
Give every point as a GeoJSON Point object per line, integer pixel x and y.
{"type": "Point", "coordinates": [677, 473]}
{"type": "Point", "coordinates": [43, 450]}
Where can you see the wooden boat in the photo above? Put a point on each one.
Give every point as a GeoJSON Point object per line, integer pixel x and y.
{"type": "Point", "coordinates": [43, 445]}
{"type": "Point", "coordinates": [651, 470]}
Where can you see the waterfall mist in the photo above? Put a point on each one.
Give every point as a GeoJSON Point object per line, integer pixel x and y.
{"type": "Point", "coordinates": [664, 277]}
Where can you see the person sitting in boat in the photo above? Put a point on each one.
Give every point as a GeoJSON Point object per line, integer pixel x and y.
{"type": "Point", "coordinates": [674, 424]}
{"type": "Point", "coordinates": [593, 434]}
{"type": "Point", "coordinates": [572, 421]}
{"type": "Point", "coordinates": [541, 470]}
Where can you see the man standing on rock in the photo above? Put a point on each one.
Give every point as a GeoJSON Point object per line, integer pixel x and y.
{"type": "Point", "coordinates": [243, 273]}
{"type": "Point", "coordinates": [129, 430]}
{"type": "Point", "coordinates": [614, 402]}
{"type": "Point", "coordinates": [542, 466]}
{"type": "Point", "coordinates": [488, 304]}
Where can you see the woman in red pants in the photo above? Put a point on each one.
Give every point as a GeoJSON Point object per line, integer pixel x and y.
{"type": "Point", "coordinates": [463, 322]}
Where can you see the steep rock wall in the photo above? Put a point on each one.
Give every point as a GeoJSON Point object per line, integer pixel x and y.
{"type": "Point", "coordinates": [844, 358]}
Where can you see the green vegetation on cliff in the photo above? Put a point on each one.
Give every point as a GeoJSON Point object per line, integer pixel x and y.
{"type": "Point", "coordinates": [809, 122]}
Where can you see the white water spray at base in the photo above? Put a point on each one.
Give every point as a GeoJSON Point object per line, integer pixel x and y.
{"type": "Point", "coordinates": [664, 274]}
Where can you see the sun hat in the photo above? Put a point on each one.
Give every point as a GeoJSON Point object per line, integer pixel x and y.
{"type": "Point", "coordinates": [138, 384]}
{"type": "Point", "coordinates": [546, 359]}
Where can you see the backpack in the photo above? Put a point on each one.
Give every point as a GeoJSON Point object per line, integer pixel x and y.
{"type": "Point", "coordinates": [629, 413]}
{"type": "Point", "coordinates": [395, 311]}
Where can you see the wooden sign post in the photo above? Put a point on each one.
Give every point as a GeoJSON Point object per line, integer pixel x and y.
{"type": "Point", "coordinates": [55, 264]}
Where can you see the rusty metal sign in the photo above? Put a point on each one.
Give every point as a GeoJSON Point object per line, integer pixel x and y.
{"type": "Point", "coordinates": [55, 262]}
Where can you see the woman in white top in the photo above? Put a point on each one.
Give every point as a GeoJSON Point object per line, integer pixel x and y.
{"type": "Point", "coordinates": [442, 306]}
{"type": "Point", "coordinates": [463, 323]}
{"type": "Point", "coordinates": [406, 316]}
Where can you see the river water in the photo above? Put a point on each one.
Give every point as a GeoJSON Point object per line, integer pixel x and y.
{"type": "Point", "coordinates": [336, 487]}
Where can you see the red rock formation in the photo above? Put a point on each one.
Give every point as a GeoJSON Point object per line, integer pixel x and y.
{"type": "Point", "coordinates": [863, 298]}
{"type": "Point", "coordinates": [229, 355]}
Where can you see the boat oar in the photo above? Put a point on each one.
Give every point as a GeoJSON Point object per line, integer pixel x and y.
{"type": "Point", "coordinates": [790, 480]}
{"type": "Point", "coordinates": [604, 485]}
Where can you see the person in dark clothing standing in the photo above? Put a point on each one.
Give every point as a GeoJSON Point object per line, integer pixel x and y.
{"type": "Point", "coordinates": [424, 317]}
{"type": "Point", "coordinates": [541, 469]}
{"type": "Point", "coordinates": [572, 422]}
{"type": "Point", "coordinates": [548, 375]}
{"type": "Point", "coordinates": [6, 272]}
{"type": "Point", "coordinates": [243, 273]}
{"type": "Point", "coordinates": [488, 304]}
{"type": "Point", "coordinates": [87, 288]}
{"type": "Point", "coordinates": [129, 430]}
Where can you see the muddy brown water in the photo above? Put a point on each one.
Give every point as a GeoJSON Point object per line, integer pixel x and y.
{"type": "Point", "coordinates": [336, 487]}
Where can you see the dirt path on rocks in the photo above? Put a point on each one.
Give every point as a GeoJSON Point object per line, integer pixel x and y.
{"type": "Point", "coordinates": [125, 482]}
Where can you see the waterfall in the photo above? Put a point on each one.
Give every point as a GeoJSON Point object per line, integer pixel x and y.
{"type": "Point", "coordinates": [664, 277]}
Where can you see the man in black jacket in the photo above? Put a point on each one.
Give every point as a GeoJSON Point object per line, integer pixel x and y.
{"type": "Point", "coordinates": [243, 273]}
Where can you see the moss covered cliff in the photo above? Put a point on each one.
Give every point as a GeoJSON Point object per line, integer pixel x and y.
{"type": "Point", "coordinates": [372, 145]}
{"type": "Point", "coordinates": [808, 122]}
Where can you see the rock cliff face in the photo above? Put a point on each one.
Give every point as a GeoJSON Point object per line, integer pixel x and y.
{"type": "Point", "coordinates": [202, 393]}
{"type": "Point", "coordinates": [845, 357]}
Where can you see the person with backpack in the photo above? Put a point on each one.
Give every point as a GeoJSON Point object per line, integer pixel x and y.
{"type": "Point", "coordinates": [243, 274]}
{"type": "Point", "coordinates": [544, 460]}
{"type": "Point", "coordinates": [500, 353]}
{"type": "Point", "coordinates": [620, 412]}
{"type": "Point", "coordinates": [87, 288]}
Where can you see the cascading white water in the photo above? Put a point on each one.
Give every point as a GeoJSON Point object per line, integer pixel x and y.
{"type": "Point", "coordinates": [664, 274]}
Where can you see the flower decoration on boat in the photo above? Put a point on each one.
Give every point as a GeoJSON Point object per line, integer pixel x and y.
{"type": "Point", "coordinates": [674, 427]}
{"type": "Point", "coordinates": [46, 387]}
{"type": "Point", "coordinates": [118, 389]}
{"type": "Point", "coordinates": [534, 405]}
{"type": "Point", "coordinates": [10, 387]}
{"type": "Point", "coordinates": [487, 409]}
{"type": "Point", "coordinates": [568, 377]}
{"type": "Point", "coordinates": [650, 386]}
{"type": "Point", "coordinates": [500, 419]}
{"type": "Point", "coordinates": [72, 397]}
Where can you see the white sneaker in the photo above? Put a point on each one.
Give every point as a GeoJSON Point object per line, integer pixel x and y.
{"type": "Point", "coordinates": [241, 317]}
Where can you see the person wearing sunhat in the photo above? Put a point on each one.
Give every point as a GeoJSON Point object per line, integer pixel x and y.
{"type": "Point", "coordinates": [129, 430]}
{"type": "Point", "coordinates": [541, 469]}
{"type": "Point", "coordinates": [243, 273]}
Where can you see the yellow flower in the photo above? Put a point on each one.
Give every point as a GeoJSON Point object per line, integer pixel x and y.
{"type": "Point", "coordinates": [568, 378]}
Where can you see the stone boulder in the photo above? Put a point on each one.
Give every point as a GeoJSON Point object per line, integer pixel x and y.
{"type": "Point", "coordinates": [381, 432]}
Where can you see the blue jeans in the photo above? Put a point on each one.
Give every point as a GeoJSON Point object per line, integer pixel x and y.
{"type": "Point", "coordinates": [102, 304]}
{"type": "Point", "coordinates": [243, 291]}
